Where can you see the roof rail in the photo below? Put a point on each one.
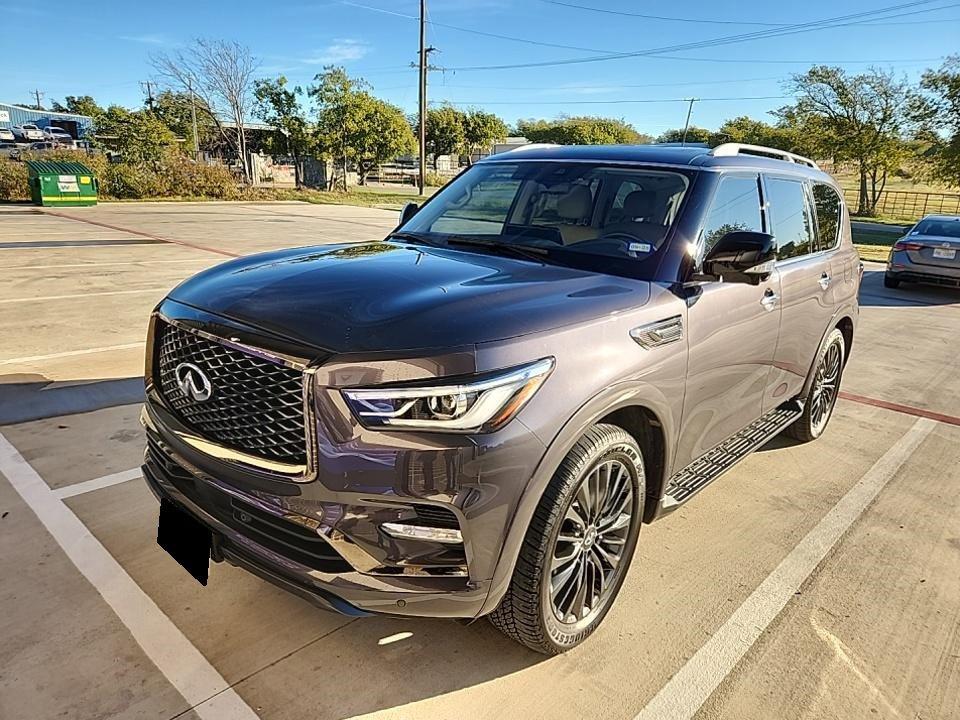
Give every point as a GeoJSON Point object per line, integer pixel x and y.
{"type": "Point", "coordinates": [731, 149]}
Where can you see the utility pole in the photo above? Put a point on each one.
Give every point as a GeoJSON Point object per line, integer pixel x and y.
{"type": "Point", "coordinates": [37, 94]}
{"type": "Point", "coordinates": [149, 88]}
{"type": "Point", "coordinates": [686, 125]}
{"type": "Point", "coordinates": [193, 112]}
{"type": "Point", "coordinates": [421, 177]}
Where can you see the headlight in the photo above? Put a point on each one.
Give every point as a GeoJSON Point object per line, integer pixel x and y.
{"type": "Point", "coordinates": [478, 404]}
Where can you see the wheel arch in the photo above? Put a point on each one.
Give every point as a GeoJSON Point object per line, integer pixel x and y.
{"type": "Point", "coordinates": [844, 321]}
{"type": "Point", "coordinates": [642, 411]}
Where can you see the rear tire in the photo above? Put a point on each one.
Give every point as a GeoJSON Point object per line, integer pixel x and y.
{"type": "Point", "coordinates": [890, 282]}
{"type": "Point", "coordinates": [824, 389]}
{"type": "Point", "coordinates": [578, 546]}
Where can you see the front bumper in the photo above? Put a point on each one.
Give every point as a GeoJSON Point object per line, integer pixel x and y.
{"type": "Point", "coordinates": [281, 547]}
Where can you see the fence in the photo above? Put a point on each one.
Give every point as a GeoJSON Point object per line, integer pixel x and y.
{"type": "Point", "coordinates": [907, 204]}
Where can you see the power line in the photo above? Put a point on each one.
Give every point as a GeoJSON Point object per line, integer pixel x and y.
{"type": "Point", "coordinates": [624, 13]}
{"type": "Point", "coordinates": [610, 102]}
{"type": "Point", "coordinates": [831, 22]}
{"type": "Point", "coordinates": [472, 31]}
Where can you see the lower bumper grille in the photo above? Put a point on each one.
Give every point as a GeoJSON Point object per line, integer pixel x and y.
{"type": "Point", "coordinates": [284, 537]}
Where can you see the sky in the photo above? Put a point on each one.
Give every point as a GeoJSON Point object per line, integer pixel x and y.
{"type": "Point", "coordinates": [106, 52]}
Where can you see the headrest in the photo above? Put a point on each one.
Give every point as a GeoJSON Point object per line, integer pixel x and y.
{"type": "Point", "coordinates": [639, 206]}
{"type": "Point", "coordinates": [576, 204]}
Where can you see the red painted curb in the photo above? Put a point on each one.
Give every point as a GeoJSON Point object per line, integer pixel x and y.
{"type": "Point", "coordinates": [897, 407]}
{"type": "Point", "coordinates": [143, 234]}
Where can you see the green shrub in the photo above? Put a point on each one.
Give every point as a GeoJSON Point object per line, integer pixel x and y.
{"type": "Point", "coordinates": [13, 180]}
{"type": "Point", "coordinates": [132, 182]}
{"type": "Point", "coordinates": [435, 179]}
{"type": "Point", "coordinates": [186, 178]}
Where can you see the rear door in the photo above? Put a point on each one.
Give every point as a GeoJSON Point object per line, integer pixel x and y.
{"type": "Point", "coordinates": [732, 332]}
{"type": "Point", "coordinates": [806, 284]}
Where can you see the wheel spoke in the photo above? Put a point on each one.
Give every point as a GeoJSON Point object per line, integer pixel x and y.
{"type": "Point", "coordinates": [590, 542]}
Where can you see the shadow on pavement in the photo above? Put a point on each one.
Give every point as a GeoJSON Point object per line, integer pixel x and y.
{"type": "Point", "coordinates": [874, 294]}
{"type": "Point", "coordinates": [25, 397]}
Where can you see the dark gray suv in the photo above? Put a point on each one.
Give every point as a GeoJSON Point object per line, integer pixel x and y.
{"type": "Point", "coordinates": [476, 415]}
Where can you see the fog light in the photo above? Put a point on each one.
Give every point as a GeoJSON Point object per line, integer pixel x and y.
{"type": "Point", "coordinates": [421, 532]}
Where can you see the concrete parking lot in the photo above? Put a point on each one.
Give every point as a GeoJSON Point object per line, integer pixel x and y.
{"type": "Point", "coordinates": [812, 581]}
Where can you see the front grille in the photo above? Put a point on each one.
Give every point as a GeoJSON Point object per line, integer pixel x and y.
{"type": "Point", "coordinates": [256, 405]}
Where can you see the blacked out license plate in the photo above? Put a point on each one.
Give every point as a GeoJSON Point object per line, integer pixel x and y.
{"type": "Point", "coordinates": [186, 539]}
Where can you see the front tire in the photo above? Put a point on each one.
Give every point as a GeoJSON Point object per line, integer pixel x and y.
{"type": "Point", "coordinates": [824, 389]}
{"type": "Point", "coordinates": [579, 544]}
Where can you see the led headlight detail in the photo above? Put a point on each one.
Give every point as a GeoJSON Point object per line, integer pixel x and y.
{"type": "Point", "coordinates": [473, 405]}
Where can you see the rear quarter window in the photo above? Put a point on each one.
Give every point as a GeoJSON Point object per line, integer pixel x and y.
{"type": "Point", "coordinates": [828, 208]}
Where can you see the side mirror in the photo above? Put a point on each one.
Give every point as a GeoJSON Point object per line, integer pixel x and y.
{"type": "Point", "coordinates": [742, 256]}
{"type": "Point", "coordinates": [409, 210]}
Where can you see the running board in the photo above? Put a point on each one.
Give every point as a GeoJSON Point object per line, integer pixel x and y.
{"type": "Point", "coordinates": [707, 468]}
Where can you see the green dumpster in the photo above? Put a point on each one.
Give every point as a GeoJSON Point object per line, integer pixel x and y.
{"type": "Point", "coordinates": [61, 184]}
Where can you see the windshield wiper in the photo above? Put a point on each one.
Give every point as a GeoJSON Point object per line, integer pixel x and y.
{"type": "Point", "coordinates": [414, 238]}
{"type": "Point", "coordinates": [527, 252]}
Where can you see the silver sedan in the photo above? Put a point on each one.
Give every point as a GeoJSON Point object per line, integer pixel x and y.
{"type": "Point", "coordinates": [928, 253]}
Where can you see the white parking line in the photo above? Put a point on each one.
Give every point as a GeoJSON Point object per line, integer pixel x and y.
{"type": "Point", "coordinates": [71, 353]}
{"type": "Point", "coordinates": [97, 483]}
{"type": "Point", "coordinates": [210, 696]}
{"type": "Point", "coordinates": [82, 295]}
{"type": "Point", "coordinates": [61, 266]}
{"type": "Point", "coordinates": [682, 697]}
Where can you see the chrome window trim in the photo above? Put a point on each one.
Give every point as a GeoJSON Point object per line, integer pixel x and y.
{"type": "Point", "coordinates": [294, 472]}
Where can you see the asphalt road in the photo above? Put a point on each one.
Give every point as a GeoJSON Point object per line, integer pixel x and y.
{"type": "Point", "coordinates": [812, 581]}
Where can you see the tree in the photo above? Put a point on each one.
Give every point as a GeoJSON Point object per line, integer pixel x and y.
{"type": "Point", "coordinates": [746, 130]}
{"type": "Point", "coordinates": [79, 105]}
{"type": "Point", "coordinates": [382, 133]}
{"type": "Point", "coordinates": [864, 117]}
{"type": "Point", "coordinates": [175, 110]}
{"type": "Point", "coordinates": [582, 130]}
{"type": "Point", "coordinates": [694, 135]}
{"type": "Point", "coordinates": [444, 132]}
{"type": "Point", "coordinates": [139, 136]}
{"type": "Point", "coordinates": [221, 73]}
{"type": "Point", "coordinates": [279, 106]}
{"type": "Point", "coordinates": [337, 102]}
{"type": "Point", "coordinates": [939, 115]}
{"type": "Point", "coordinates": [353, 125]}
{"type": "Point", "coordinates": [481, 129]}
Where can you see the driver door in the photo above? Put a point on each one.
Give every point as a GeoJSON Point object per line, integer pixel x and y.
{"type": "Point", "coordinates": [732, 333]}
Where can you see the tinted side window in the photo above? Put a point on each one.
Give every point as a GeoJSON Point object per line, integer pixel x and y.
{"type": "Point", "coordinates": [736, 206]}
{"type": "Point", "coordinates": [828, 214]}
{"type": "Point", "coordinates": [792, 224]}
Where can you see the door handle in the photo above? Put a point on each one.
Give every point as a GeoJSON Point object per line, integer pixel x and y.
{"type": "Point", "coordinates": [769, 299]}
{"type": "Point", "coordinates": [825, 281]}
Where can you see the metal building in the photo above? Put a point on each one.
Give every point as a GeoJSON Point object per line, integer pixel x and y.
{"type": "Point", "coordinates": [78, 126]}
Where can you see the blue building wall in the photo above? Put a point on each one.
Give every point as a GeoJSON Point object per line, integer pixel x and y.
{"type": "Point", "coordinates": [43, 118]}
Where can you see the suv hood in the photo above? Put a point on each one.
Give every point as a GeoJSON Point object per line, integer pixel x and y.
{"type": "Point", "coordinates": [388, 296]}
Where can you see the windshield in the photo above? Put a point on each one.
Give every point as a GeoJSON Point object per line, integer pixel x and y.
{"type": "Point", "coordinates": [941, 228]}
{"type": "Point", "coordinates": [571, 213]}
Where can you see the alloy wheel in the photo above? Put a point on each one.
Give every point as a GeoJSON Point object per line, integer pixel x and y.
{"type": "Point", "coordinates": [825, 388]}
{"type": "Point", "coordinates": [590, 545]}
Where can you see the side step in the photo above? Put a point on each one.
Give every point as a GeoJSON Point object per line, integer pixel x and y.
{"type": "Point", "coordinates": [708, 467]}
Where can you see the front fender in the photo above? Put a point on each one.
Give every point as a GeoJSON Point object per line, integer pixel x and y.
{"type": "Point", "coordinates": [609, 400]}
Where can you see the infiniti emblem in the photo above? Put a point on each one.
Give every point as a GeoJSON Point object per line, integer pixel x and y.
{"type": "Point", "coordinates": [193, 382]}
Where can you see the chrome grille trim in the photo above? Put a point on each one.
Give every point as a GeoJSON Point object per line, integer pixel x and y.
{"type": "Point", "coordinates": [298, 469]}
